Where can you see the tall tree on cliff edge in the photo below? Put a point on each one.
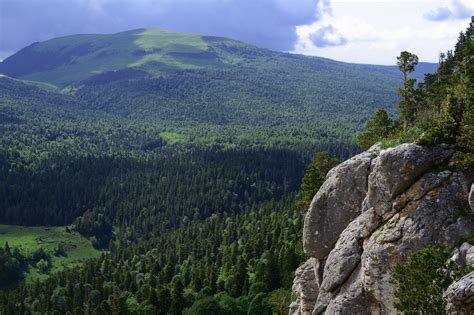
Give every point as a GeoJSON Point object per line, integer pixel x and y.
{"type": "Point", "coordinates": [406, 62]}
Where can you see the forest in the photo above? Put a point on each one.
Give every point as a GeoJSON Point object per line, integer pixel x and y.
{"type": "Point", "coordinates": [181, 226]}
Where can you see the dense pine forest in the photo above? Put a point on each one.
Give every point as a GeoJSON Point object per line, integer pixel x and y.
{"type": "Point", "coordinates": [194, 192]}
{"type": "Point", "coordinates": [182, 226]}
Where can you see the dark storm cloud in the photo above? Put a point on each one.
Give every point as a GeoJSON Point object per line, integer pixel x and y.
{"type": "Point", "coordinates": [457, 11]}
{"type": "Point", "coordinates": [326, 36]}
{"type": "Point", "coordinates": [266, 23]}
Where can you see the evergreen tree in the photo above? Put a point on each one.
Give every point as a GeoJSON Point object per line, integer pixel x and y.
{"type": "Point", "coordinates": [315, 175]}
{"type": "Point", "coordinates": [406, 63]}
{"type": "Point", "coordinates": [376, 128]}
{"type": "Point", "coordinates": [177, 299]}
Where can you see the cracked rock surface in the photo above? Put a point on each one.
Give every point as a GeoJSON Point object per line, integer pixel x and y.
{"type": "Point", "coordinates": [460, 296]}
{"type": "Point", "coordinates": [372, 212]}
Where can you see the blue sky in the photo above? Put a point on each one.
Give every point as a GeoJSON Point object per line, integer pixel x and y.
{"type": "Point", "coordinates": [369, 31]}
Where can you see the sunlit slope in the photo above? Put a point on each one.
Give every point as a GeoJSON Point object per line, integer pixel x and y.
{"type": "Point", "coordinates": [70, 59]}
{"type": "Point", "coordinates": [150, 52]}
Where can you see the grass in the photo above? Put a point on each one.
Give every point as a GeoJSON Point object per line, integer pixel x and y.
{"type": "Point", "coordinates": [170, 41]}
{"type": "Point", "coordinates": [173, 137]}
{"type": "Point", "coordinates": [29, 239]}
{"type": "Point", "coordinates": [81, 56]}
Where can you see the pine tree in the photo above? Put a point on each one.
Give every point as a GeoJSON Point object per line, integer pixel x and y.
{"type": "Point", "coordinates": [406, 63]}
{"type": "Point", "coordinates": [376, 128]}
{"type": "Point", "coordinates": [315, 175]}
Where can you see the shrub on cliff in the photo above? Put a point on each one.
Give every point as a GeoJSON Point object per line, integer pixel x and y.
{"type": "Point", "coordinates": [422, 279]}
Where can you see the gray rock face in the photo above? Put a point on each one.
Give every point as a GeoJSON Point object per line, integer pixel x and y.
{"type": "Point", "coordinates": [464, 255]}
{"type": "Point", "coordinates": [336, 204]}
{"type": "Point", "coordinates": [471, 197]}
{"type": "Point", "coordinates": [305, 289]}
{"type": "Point", "coordinates": [396, 169]}
{"type": "Point", "coordinates": [400, 208]}
{"type": "Point", "coordinates": [460, 296]}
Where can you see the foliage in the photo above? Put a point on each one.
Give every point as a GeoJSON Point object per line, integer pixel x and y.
{"type": "Point", "coordinates": [376, 129]}
{"type": "Point", "coordinates": [12, 265]}
{"type": "Point", "coordinates": [315, 175]}
{"type": "Point", "coordinates": [204, 306]}
{"type": "Point", "coordinates": [439, 110]}
{"type": "Point", "coordinates": [279, 301]}
{"type": "Point", "coordinates": [422, 279]}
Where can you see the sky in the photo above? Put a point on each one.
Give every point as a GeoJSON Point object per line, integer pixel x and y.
{"type": "Point", "coordinates": [359, 31]}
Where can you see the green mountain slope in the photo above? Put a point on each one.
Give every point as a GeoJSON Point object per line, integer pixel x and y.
{"type": "Point", "coordinates": [203, 89]}
{"type": "Point", "coordinates": [71, 59]}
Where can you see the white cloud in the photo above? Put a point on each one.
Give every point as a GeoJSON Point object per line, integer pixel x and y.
{"type": "Point", "coordinates": [376, 31]}
{"type": "Point", "coordinates": [455, 9]}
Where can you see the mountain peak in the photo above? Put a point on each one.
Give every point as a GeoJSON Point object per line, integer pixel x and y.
{"type": "Point", "coordinates": [70, 59]}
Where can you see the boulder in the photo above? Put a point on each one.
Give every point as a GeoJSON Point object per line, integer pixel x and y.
{"type": "Point", "coordinates": [398, 168]}
{"type": "Point", "coordinates": [459, 296]}
{"type": "Point", "coordinates": [361, 232]}
{"type": "Point", "coordinates": [305, 289]}
{"type": "Point", "coordinates": [336, 204]}
{"type": "Point", "coordinates": [464, 255]}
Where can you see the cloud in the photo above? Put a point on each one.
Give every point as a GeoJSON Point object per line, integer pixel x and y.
{"type": "Point", "coordinates": [266, 23]}
{"type": "Point", "coordinates": [327, 36]}
{"type": "Point", "coordinates": [457, 9]}
{"type": "Point", "coordinates": [361, 31]}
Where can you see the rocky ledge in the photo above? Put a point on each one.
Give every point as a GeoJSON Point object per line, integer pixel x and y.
{"type": "Point", "coordinates": [373, 211]}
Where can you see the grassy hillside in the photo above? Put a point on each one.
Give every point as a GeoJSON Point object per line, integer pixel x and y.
{"type": "Point", "coordinates": [29, 239]}
{"type": "Point", "coordinates": [65, 60]}
{"type": "Point", "coordinates": [72, 59]}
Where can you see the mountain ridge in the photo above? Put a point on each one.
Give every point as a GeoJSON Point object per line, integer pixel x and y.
{"type": "Point", "coordinates": [70, 59]}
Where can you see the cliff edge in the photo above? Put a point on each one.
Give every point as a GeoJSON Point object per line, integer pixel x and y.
{"type": "Point", "coordinates": [373, 211]}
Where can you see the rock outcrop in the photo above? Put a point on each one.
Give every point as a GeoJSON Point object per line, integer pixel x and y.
{"type": "Point", "coordinates": [372, 212]}
{"type": "Point", "coordinates": [305, 288]}
{"type": "Point", "coordinates": [342, 192]}
{"type": "Point", "coordinates": [464, 256]}
{"type": "Point", "coordinates": [460, 296]}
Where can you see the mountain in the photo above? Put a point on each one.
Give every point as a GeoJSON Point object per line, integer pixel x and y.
{"type": "Point", "coordinates": [72, 59]}
{"type": "Point", "coordinates": [208, 90]}
{"type": "Point", "coordinates": [181, 158]}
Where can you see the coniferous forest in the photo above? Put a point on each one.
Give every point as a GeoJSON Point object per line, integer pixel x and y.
{"type": "Point", "coordinates": [190, 214]}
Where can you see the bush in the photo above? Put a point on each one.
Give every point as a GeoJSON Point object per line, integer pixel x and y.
{"type": "Point", "coordinates": [279, 301]}
{"type": "Point", "coordinates": [43, 265]}
{"type": "Point", "coordinates": [40, 254]}
{"type": "Point", "coordinates": [60, 250]}
{"type": "Point", "coordinates": [422, 279]}
{"type": "Point", "coordinates": [315, 176]}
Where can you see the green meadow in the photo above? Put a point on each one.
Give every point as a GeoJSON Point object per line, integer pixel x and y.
{"type": "Point", "coordinates": [29, 239]}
